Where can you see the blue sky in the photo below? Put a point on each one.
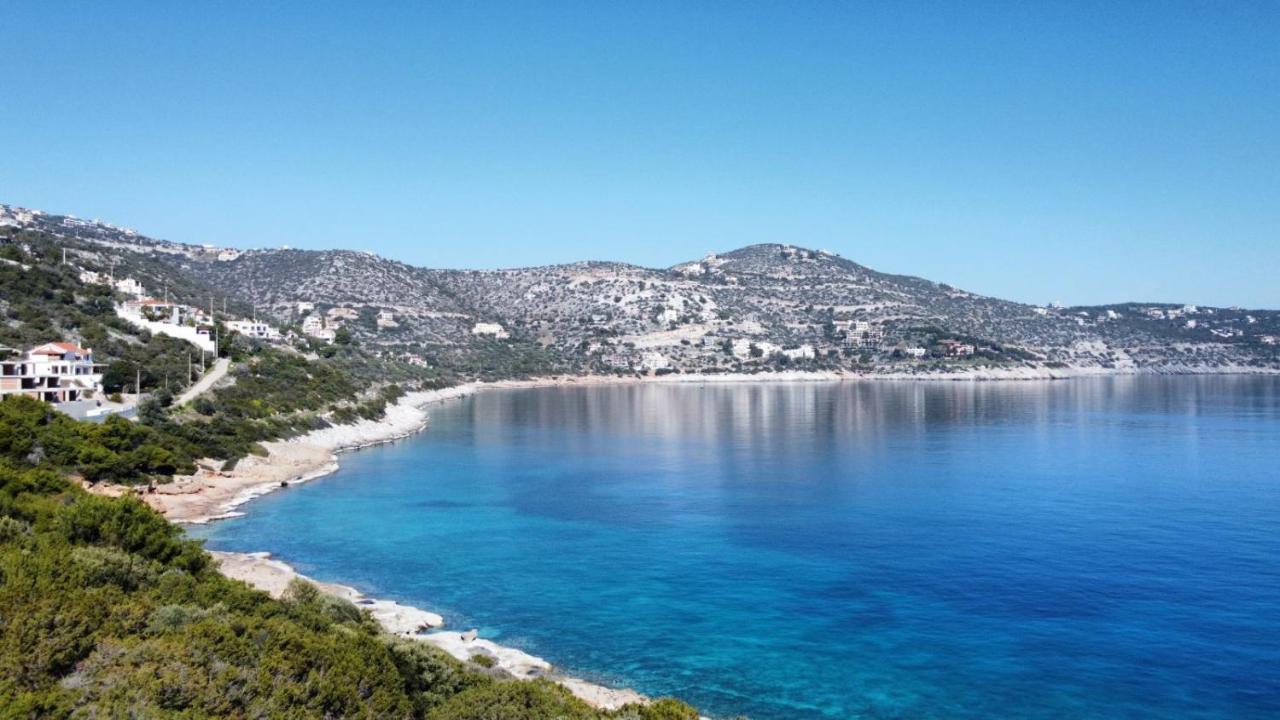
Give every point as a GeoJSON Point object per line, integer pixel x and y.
{"type": "Point", "coordinates": [1075, 151]}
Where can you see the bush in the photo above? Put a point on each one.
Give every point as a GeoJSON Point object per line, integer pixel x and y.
{"type": "Point", "coordinates": [531, 700]}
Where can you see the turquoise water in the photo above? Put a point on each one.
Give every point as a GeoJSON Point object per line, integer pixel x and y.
{"type": "Point", "coordinates": [1077, 549]}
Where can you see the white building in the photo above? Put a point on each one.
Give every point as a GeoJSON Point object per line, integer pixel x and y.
{"type": "Point", "coordinates": [314, 326]}
{"type": "Point", "coordinates": [494, 329]}
{"type": "Point", "coordinates": [130, 287]}
{"type": "Point", "coordinates": [804, 352]}
{"type": "Point", "coordinates": [172, 319]}
{"type": "Point", "coordinates": [53, 372]}
{"type": "Point", "coordinates": [861, 334]}
{"type": "Point", "coordinates": [915, 352]}
{"type": "Point", "coordinates": [387, 319]}
{"type": "Point", "coordinates": [255, 329]}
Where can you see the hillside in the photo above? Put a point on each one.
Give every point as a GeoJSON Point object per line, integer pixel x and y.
{"type": "Point", "coordinates": [763, 307]}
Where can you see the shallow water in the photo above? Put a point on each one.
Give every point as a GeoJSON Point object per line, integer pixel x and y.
{"type": "Point", "coordinates": [1077, 549]}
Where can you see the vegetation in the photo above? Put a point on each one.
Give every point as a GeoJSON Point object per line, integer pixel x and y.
{"type": "Point", "coordinates": [43, 300]}
{"type": "Point", "coordinates": [108, 611]}
{"type": "Point", "coordinates": [274, 393]}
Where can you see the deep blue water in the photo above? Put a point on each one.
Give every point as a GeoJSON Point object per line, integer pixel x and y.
{"type": "Point", "coordinates": [1077, 549]}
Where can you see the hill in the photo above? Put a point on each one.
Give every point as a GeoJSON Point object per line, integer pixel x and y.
{"type": "Point", "coordinates": [763, 307]}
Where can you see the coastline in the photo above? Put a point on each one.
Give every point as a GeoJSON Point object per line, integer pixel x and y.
{"type": "Point", "coordinates": [213, 494]}
{"type": "Point", "coordinates": [272, 576]}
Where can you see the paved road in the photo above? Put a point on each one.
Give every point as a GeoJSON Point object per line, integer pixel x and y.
{"type": "Point", "coordinates": [215, 374]}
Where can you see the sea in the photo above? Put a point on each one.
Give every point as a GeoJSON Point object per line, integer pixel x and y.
{"type": "Point", "coordinates": [1092, 548]}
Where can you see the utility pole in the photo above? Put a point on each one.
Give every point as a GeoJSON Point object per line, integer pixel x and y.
{"type": "Point", "coordinates": [137, 381]}
{"type": "Point", "coordinates": [188, 367]}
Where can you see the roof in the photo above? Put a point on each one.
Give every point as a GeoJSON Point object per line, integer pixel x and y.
{"type": "Point", "coordinates": [58, 348]}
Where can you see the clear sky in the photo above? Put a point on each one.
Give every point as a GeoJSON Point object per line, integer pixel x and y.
{"type": "Point", "coordinates": [1075, 151]}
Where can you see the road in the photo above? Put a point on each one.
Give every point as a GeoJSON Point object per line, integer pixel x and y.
{"type": "Point", "coordinates": [215, 374]}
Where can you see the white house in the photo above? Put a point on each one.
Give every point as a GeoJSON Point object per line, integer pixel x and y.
{"type": "Point", "coordinates": [130, 287]}
{"type": "Point", "coordinates": [254, 329]}
{"type": "Point", "coordinates": [387, 319]}
{"type": "Point", "coordinates": [915, 352]}
{"type": "Point", "coordinates": [54, 372]}
{"type": "Point", "coordinates": [314, 326]}
{"type": "Point", "coordinates": [494, 329]}
{"type": "Point", "coordinates": [861, 334]}
{"type": "Point", "coordinates": [173, 319]}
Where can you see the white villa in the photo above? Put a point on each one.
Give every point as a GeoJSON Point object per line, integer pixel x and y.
{"type": "Point", "coordinates": [54, 372]}
{"type": "Point", "coordinates": [173, 319]}
{"type": "Point", "coordinates": [387, 319]}
{"type": "Point", "coordinates": [255, 329]}
{"type": "Point", "coordinates": [131, 287]}
{"type": "Point", "coordinates": [861, 334]}
{"type": "Point", "coordinates": [313, 325]}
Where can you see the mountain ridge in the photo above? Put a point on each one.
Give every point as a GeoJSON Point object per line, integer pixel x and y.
{"type": "Point", "coordinates": [767, 306]}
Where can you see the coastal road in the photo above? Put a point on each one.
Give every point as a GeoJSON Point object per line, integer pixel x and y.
{"type": "Point", "coordinates": [215, 374]}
